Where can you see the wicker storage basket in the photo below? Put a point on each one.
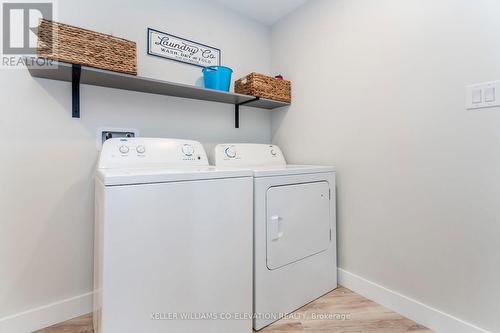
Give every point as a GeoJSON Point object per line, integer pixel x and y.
{"type": "Point", "coordinates": [74, 45]}
{"type": "Point", "coordinates": [260, 85]}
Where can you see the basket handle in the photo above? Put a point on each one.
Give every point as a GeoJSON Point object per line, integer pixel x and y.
{"type": "Point", "coordinates": [211, 68]}
{"type": "Point", "coordinates": [243, 80]}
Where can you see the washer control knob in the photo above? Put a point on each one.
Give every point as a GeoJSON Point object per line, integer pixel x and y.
{"type": "Point", "coordinates": [230, 152]}
{"type": "Point", "coordinates": [273, 152]}
{"type": "Point", "coordinates": [140, 149]}
{"type": "Point", "coordinates": [188, 150]}
{"type": "Point", "coordinates": [123, 149]}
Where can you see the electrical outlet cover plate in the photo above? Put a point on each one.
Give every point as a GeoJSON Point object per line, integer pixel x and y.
{"type": "Point", "coordinates": [483, 95]}
{"type": "Point", "coordinates": [117, 133]}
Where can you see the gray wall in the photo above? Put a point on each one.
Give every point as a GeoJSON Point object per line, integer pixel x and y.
{"type": "Point", "coordinates": [379, 91]}
{"type": "Point", "coordinates": [48, 158]}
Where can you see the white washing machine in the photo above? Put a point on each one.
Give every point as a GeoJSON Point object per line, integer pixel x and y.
{"type": "Point", "coordinates": [294, 229]}
{"type": "Point", "coordinates": [173, 240]}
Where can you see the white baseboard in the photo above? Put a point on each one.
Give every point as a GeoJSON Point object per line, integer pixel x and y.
{"type": "Point", "coordinates": [425, 315]}
{"type": "Point", "coordinates": [47, 315]}
{"type": "Point", "coordinates": [50, 314]}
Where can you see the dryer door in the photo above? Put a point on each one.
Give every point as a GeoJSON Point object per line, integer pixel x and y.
{"type": "Point", "coordinates": [298, 222]}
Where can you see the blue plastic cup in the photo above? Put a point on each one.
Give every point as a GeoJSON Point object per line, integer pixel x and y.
{"type": "Point", "coordinates": [217, 77]}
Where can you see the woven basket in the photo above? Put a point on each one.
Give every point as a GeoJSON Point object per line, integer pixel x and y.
{"type": "Point", "coordinates": [260, 85]}
{"type": "Point", "coordinates": [74, 45]}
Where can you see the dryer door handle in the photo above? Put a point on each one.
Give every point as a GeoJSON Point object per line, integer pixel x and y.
{"type": "Point", "coordinates": [276, 227]}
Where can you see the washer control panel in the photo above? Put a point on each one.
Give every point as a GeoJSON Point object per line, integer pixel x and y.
{"type": "Point", "coordinates": [248, 154]}
{"type": "Point", "coordinates": [144, 152]}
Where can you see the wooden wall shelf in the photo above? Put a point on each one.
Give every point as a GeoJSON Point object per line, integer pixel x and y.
{"type": "Point", "coordinates": [97, 77]}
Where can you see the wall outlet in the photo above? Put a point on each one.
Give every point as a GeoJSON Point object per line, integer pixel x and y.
{"type": "Point", "coordinates": [483, 95]}
{"type": "Point", "coordinates": [104, 134]}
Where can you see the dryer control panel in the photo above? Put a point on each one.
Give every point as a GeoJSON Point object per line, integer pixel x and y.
{"type": "Point", "coordinates": [148, 152]}
{"type": "Point", "coordinates": [248, 154]}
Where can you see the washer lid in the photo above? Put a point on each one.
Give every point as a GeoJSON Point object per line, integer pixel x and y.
{"type": "Point", "coordinates": [128, 176]}
{"type": "Point", "coordinates": [289, 170]}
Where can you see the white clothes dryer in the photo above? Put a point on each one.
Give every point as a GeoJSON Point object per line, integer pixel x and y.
{"type": "Point", "coordinates": [294, 229]}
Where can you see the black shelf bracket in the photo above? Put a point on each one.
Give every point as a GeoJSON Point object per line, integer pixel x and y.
{"type": "Point", "coordinates": [76, 72]}
{"type": "Point", "coordinates": [237, 111]}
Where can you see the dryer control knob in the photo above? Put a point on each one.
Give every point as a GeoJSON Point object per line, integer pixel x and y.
{"type": "Point", "coordinates": [140, 149]}
{"type": "Point", "coordinates": [273, 152]}
{"type": "Point", "coordinates": [123, 149]}
{"type": "Point", "coordinates": [230, 152]}
{"type": "Point", "coordinates": [188, 150]}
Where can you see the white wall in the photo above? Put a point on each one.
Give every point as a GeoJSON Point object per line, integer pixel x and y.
{"type": "Point", "coordinates": [48, 158]}
{"type": "Point", "coordinates": [379, 91]}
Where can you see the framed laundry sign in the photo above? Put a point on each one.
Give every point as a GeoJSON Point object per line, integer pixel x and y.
{"type": "Point", "coordinates": [162, 44]}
